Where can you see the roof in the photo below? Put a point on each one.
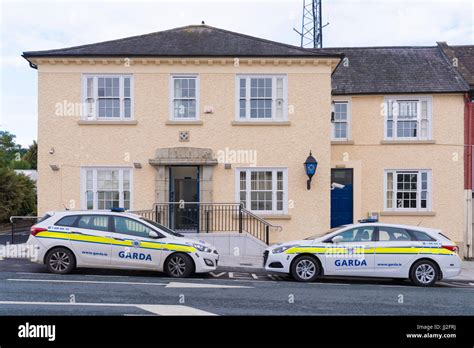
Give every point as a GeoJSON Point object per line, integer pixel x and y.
{"type": "Point", "coordinates": [462, 58]}
{"type": "Point", "coordinates": [394, 70]}
{"type": "Point", "coordinates": [188, 41]}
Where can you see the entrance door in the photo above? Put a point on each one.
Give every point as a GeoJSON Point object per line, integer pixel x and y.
{"type": "Point", "coordinates": [184, 188]}
{"type": "Point", "coordinates": [341, 198]}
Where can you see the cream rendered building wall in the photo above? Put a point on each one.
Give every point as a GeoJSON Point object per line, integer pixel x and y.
{"type": "Point", "coordinates": [369, 158]}
{"type": "Point", "coordinates": [288, 146]}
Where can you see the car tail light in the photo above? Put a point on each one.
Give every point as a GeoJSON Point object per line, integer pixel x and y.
{"type": "Point", "coordinates": [451, 247]}
{"type": "Point", "coordinates": [35, 230]}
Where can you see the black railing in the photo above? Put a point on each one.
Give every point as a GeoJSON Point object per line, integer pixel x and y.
{"type": "Point", "coordinates": [19, 229]}
{"type": "Point", "coordinates": [208, 218]}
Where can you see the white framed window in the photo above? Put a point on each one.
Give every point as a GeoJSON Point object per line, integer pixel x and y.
{"type": "Point", "coordinates": [408, 118]}
{"type": "Point", "coordinates": [104, 188]}
{"type": "Point", "coordinates": [263, 190]}
{"type": "Point", "coordinates": [261, 98]}
{"type": "Point", "coordinates": [184, 97]}
{"type": "Point", "coordinates": [341, 120]}
{"type": "Point", "coordinates": [408, 190]}
{"type": "Point", "coordinates": [108, 97]}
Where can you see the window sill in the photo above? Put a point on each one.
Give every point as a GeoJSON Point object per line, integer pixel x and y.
{"type": "Point", "coordinates": [407, 213]}
{"type": "Point", "coordinates": [274, 216]}
{"type": "Point", "coordinates": [342, 142]}
{"type": "Point", "coordinates": [407, 142]}
{"type": "Point", "coordinates": [108, 123]}
{"type": "Point", "coordinates": [261, 123]}
{"type": "Point", "coordinates": [184, 122]}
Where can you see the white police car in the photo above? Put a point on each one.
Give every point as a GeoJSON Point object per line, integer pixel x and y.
{"type": "Point", "coordinates": [423, 255]}
{"type": "Point", "coordinates": [102, 239]}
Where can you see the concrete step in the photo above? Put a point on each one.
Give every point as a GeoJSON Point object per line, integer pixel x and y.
{"type": "Point", "coordinates": [233, 244]}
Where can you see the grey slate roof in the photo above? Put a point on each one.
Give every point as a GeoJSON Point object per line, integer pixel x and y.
{"type": "Point", "coordinates": [394, 70]}
{"type": "Point", "coordinates": [189, 41]}
{"type": "Point", "coordinates": [464, 55]}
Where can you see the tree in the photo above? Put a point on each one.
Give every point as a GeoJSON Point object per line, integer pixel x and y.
{"type": "Point", "coordinates": [17, 195]}
{"type": "Point", "coordinates": [31, 156]}
{"type": "Point", "coordinates": [9, 150]}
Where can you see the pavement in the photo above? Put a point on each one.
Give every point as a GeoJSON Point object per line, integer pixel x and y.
{"type": "Point", "coordinates": [27, 289]}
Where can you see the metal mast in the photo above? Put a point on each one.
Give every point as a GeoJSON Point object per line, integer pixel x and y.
{"type": "Point", "coordinates": [311, 25]}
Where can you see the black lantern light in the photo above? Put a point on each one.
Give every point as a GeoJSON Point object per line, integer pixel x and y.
{"type": "Point", "coordinates": [310, 166]}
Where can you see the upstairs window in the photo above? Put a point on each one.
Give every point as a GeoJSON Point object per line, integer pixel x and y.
{"type": "Point", "coordinates": [340, 121]}
{"type": "Point", "coordinates": [184, 97]}
{"type": "Point", "coordinates": [408, 119]}
{"type": "Point", "coordinates": [262, 98]}
{"type": "Point", "coordinates": [108, 97]}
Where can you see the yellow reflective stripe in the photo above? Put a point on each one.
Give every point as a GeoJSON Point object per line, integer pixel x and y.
{"type": "Point", "coordinates": [176, 247]}
{"type": "Point", "coordinates": [359, 250]}
{"type": "Point", "coordinates": [150, 245]}
{"type": "Point", "coordinates": [47, 234]}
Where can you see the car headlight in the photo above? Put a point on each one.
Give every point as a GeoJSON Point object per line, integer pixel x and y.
{"type": "Point", "coordinates": [282, 248]}
{"type": "Point", "coordinates": [201, 247]}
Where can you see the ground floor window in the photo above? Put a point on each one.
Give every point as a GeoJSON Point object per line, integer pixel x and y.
{"type": "Point", "coordinates": [408, 190]}
{"type": "Point", "coordinates": [106, 188]}
{"type": "Point", "coordinates": [263, 190]}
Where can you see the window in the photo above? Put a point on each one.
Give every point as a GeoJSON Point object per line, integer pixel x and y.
{"type": "Point", "coordinates": [263, 190]}
{"type": "Point", "coordinates": [390, 234]}
{"type": "Point", "coordinates": [184, 92]}
{"type": "Point", "coordinates": [340, 122]}
{"type": "Point", "coordinates": [359, 234]}
{"type": "Point", "coordinates": [131, 227]}
{"type": "Point", "coordinates": [67, 221]}
{"type": "Point", "coordinates": [108, 97]}
{"type": "Point", "coordinates": [422, 236]}
{"type": "Point", "coordinates": [408, 119]}
{"type": "Point", "coordinates": [106, 188]}
{"type": "Point", "coordinates": [261, 98]}
{"type": "Point", "coordinates": [408, 190]}
{"type": "Point", "coordinates": [94, 222]}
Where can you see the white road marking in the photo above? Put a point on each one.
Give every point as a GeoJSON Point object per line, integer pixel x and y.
{"type": "Point", "coordinates": [209, 286]}
{"type": "Point", "coordinates": [80, 281]}
{"type": "Point", "coordinates": [173, 310]}
{"type": "Point", "coordinates": [330, 284]}
{"type": "Point", "coordinates": [155, 309]}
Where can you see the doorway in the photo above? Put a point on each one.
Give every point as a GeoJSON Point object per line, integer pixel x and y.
{"type": "Point", "coordinates": [342, 200]}
{"type": "Point", "coordinates": [184, 198]}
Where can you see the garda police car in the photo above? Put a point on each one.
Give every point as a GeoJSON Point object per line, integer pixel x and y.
{"type": "Point", "coordinates": [423, 255]}
{"type": "Point", "coordinates": [101, 239]}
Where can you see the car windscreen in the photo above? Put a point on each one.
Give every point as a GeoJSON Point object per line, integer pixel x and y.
{"type": "Point", "coordinates": [325, 233]}
{"type": "Point", "coordinates": [163, 228]}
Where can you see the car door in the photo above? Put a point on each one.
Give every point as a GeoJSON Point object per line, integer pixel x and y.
{"type": "Point", "coordinates": [132, 246]}
{"type": "Point", "coordinates": [395, 251]}
{"type": "Point", "coordinates": [354, 254]}
{"type": "Point", "coordinates": [88, 238]}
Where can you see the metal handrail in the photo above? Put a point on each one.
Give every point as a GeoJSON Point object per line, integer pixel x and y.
{"type": "Point", "coordinates": [23, 217]}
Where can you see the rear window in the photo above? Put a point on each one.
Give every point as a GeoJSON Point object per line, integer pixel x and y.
{"type": "Point", "coordinates": [422, 236]}
{"type": "Point", "coordinates": [67, 221]}
{"type": "Point", "coordinates": [47, 216]}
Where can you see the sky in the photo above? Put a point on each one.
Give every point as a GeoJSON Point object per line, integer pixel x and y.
{"type": "Point", "coordinates": [28, 25]}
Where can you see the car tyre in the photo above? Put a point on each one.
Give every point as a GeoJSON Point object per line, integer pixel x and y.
{"type": "Point", "coordinates": [179, 265]}
{"type": "Point", "coordinates": [305, 268]}
{"type": "Point", "coordinates": [60, 261]}
{"type": "Point", "coordinates": [424, 273]}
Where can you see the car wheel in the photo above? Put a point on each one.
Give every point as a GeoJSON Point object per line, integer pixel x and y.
{"type": "Point", "coordinates": [60, 261]}
{"type": "Point", "coordinates": [305, 269]}
{"type": "Point", "coordinates": [424, 273]}
{"type": "Point", "coordinates": [179, 266]}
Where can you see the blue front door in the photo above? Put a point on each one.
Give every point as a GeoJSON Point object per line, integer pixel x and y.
{"type": "Point", "coordinates": [342, 205]}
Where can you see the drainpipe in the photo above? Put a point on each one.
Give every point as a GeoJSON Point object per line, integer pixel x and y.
{"type": "Point", "coordinates": [469, 110]}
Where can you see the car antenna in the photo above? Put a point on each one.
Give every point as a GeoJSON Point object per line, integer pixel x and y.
{"type": "Point", "coordinates": [420, 222]}
{"type": "Point", "coordinates": [65, 208]}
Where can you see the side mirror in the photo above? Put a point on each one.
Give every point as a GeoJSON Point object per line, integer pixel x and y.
{"type": "Point", "coordinates": [153, 234]}
{"type": "Point", "coordinates": [337, 239]}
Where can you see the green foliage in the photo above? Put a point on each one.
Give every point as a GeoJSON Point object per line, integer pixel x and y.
{"type": "Point", "coordinates": [17, 195]}
{"type": "Point", "coordinates": [31, 156]}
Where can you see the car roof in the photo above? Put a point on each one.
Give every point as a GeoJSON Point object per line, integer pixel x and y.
{"type": "Point", "coordinates": [62, 213]}
{"type": "Point", "coordinates": [408, 227]}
